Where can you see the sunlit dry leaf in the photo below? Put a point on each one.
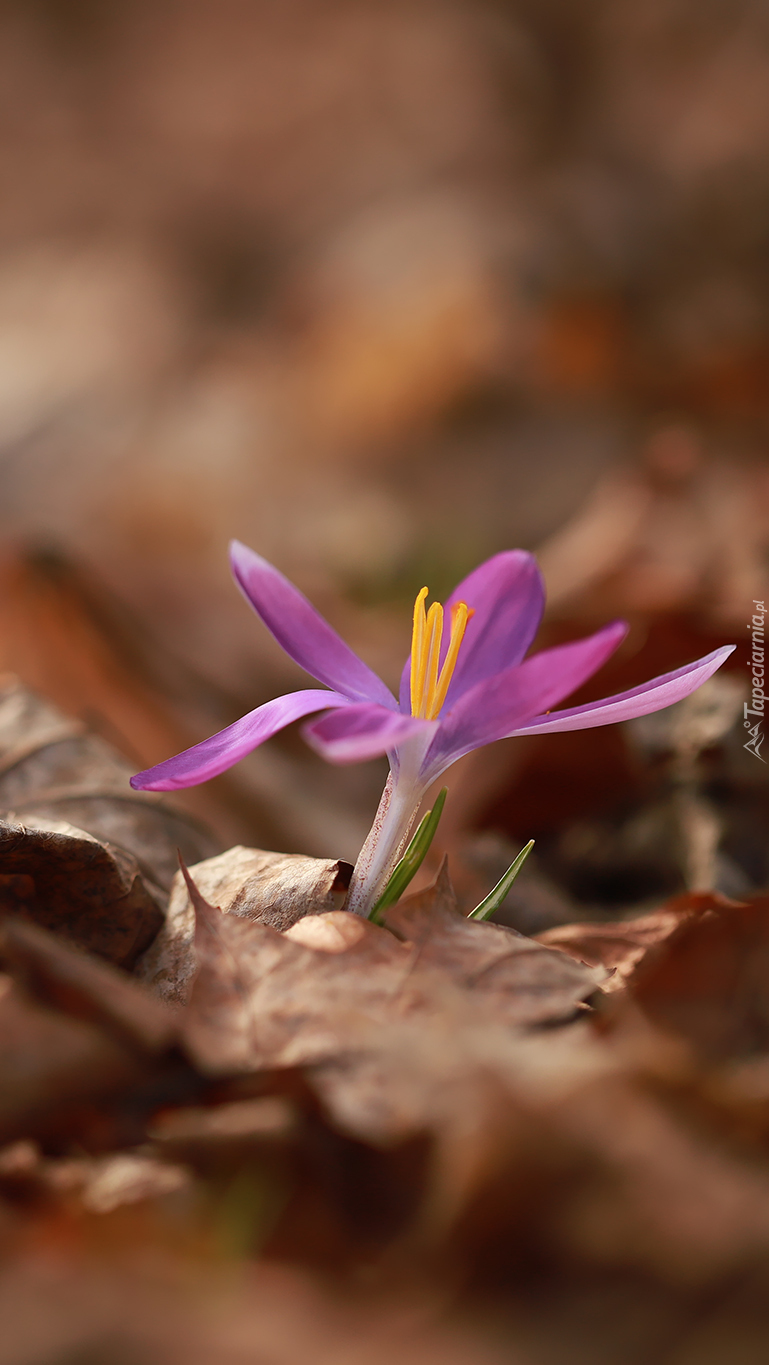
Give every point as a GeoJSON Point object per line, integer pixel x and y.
{"type": "Point", "coordinates": [269, 888]}
{"type": "Point", "coordinates": [379, 1020]}
{"type": "Point", "coordinates": [95, 1184]}
{"type": "Point", "coordinates": [270, 1116]}
{"type": "Point", "coordinates": [128, 1178]}
{"type": "Point", "coordinates": [273, 888]}
{"type": "Point", "coordinates": [263, 999]}
{"type": "Point", "coordinates": [259, 999]}
{"type": "Point", "coordinates": [523, 982]}
{"type": "Point", "coordinates": [333, 932]}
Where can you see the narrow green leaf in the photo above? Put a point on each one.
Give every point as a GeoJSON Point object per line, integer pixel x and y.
{"type": "Point", "coordinates": [412, 859]}
{"type": "Point", "coordinates": [495, 898]}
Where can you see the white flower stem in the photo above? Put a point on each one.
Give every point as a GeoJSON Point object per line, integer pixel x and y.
{"type": "Point", "coordinates": [386, 840]}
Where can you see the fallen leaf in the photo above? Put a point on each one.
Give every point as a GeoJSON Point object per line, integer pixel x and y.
{"type": "Point", "coordinates": [128, 1178]}
{"type": "Point", "coordinates": [50, 1064]}
{"type": "Point", "coordinates": [53, 769]}
{"type": "Point", "coordinates": [522, 981]}
{"type": "Point", "coordinates": [262, 999]}
{"type": "Point", "coordinates": [606, 1174]}
{"type": "Point", "coordinates": [90, 892]}
{"type": "Point", "coordinates": [225, 1136]}
{"type": "Point", "coordinates": [620, 945]}
{"type": "Point", "coordinates": [84, 987]}
{"type": "Point", "coordinates": [334, 932]}
{"type": "Point", "coordinates": [708, 981]}
{"type": "Point", "coordinates": [276, 889]}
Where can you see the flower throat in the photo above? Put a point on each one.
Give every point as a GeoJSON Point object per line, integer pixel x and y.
{"type": "Point", "coordinates": [429, 685]}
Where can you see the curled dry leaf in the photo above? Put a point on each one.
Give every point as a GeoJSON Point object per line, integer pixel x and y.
{"type": "Point", "coordinates": [53, 767]}
{"type": "Point", "coordinates": [620, 945]}
{"type": "Point", "coordinates": [708, 981]}
{"type": "Point", "coordinates": [260, 1000]}
{"type": "Point", "coordinates": [64, 879]}
{"type": "Point", "coordinates": [275, 889]}
{"type": "Point", "coordinates": [81, 852]}
{"type": "Point", "coordinates": [263, 999]}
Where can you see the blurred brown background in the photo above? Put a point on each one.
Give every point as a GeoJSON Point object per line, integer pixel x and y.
{"type": "Point", "coordinates": [381, 289]}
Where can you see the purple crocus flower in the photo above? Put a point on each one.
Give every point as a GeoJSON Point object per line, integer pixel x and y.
{"type": "Point", "coordinates": [459, 690]}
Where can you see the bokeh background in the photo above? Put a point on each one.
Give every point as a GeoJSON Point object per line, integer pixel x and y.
{"type": "Point", "coordinates": [381, 289]}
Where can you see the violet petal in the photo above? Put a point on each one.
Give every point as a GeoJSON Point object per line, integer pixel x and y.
{"type": "Point", "coordinates": [302, 632]}
{"type": "Point", "coordinates": [492, 708]}
{"type": "Point", "coordinates": [638, 701]}
{"type": "Point", "coordinates": [507, 595]}
{"type": "Point", "coordinates": [362, 731]}
{"type": "Point", "coordinates": [214, 755]}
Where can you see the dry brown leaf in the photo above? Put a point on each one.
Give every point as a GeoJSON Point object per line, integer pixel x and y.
{"type": "Point", "coordinates": [84, 987]}
{"type": "Point", "coordinates": [270, 888]}
{"type": "Point", "coordinates": [87, 1184]}
{"type": "Point", "coordinates": [66, 880]}
{"type": "Point", "coordinates": [128, 1178]}
{"type": "Point", "coordinates": [52, 768]}
{"type": "Point", "coordinates": [605, 1173]}
{"type": "Point", "coordinates": [708, 981]}
{"type": "Point", "coordinates": [259, 999]}
{"type": "Point", "coordinates": [333, 932]}
{"type": "Point", "coordinates": [99, 1310]}
{"type": "Point", "coordinates": [225, 1137]}
{"type": "Point", "coordinates": [619, 945]}
{"type": "Point", "coordinates": [380, 1021]}
{"type": "Point", "coordinates": [50, 1063]}
{"type": "Point", "coordinates": [523, 982]}
{"type": "Point", "coordinates": [101, 882]}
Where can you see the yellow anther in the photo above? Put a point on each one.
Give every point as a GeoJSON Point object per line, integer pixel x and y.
{"type": "Point", "coordinates": [428, 687]}
{"type": "Point", "coordinates": [460, 615]}
{"type": "Point", "coordinates": [418, 655]}
{"type": "Point", "coordinates": [433, 651]}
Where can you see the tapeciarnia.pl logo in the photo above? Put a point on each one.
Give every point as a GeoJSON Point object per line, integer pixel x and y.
{"type": "Point", "coordinates": [755, 707]}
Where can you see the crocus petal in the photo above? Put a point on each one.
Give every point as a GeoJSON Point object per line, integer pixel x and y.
{"type": "Point", "coordinates": [493, 708]}
{"type": "Point", "coordinates": [302, 632]}
{"type": "Point", "coordinates": [214, 755]}
{"type": "Point", "coordinates": [639, 701]}
{"type": "Point", "coordinates": [362, 731]}
{"type": "Point", "coordinates": [507, 596]}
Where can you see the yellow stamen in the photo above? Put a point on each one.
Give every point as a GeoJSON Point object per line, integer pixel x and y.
{"type": "Point", "coordinates": [433, 652]}
{"type": "Point", "coordinates": [428, 688]}
{"type": "Point", "coordinates": [460, 615]}
{"type": "Point", "coordinates": [418, 655]}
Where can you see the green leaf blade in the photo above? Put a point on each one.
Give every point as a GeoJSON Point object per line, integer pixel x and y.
{"type": "Point", "coordinates": [405, 870]}
{"type": "Point", "coordinates": [496, 896]}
